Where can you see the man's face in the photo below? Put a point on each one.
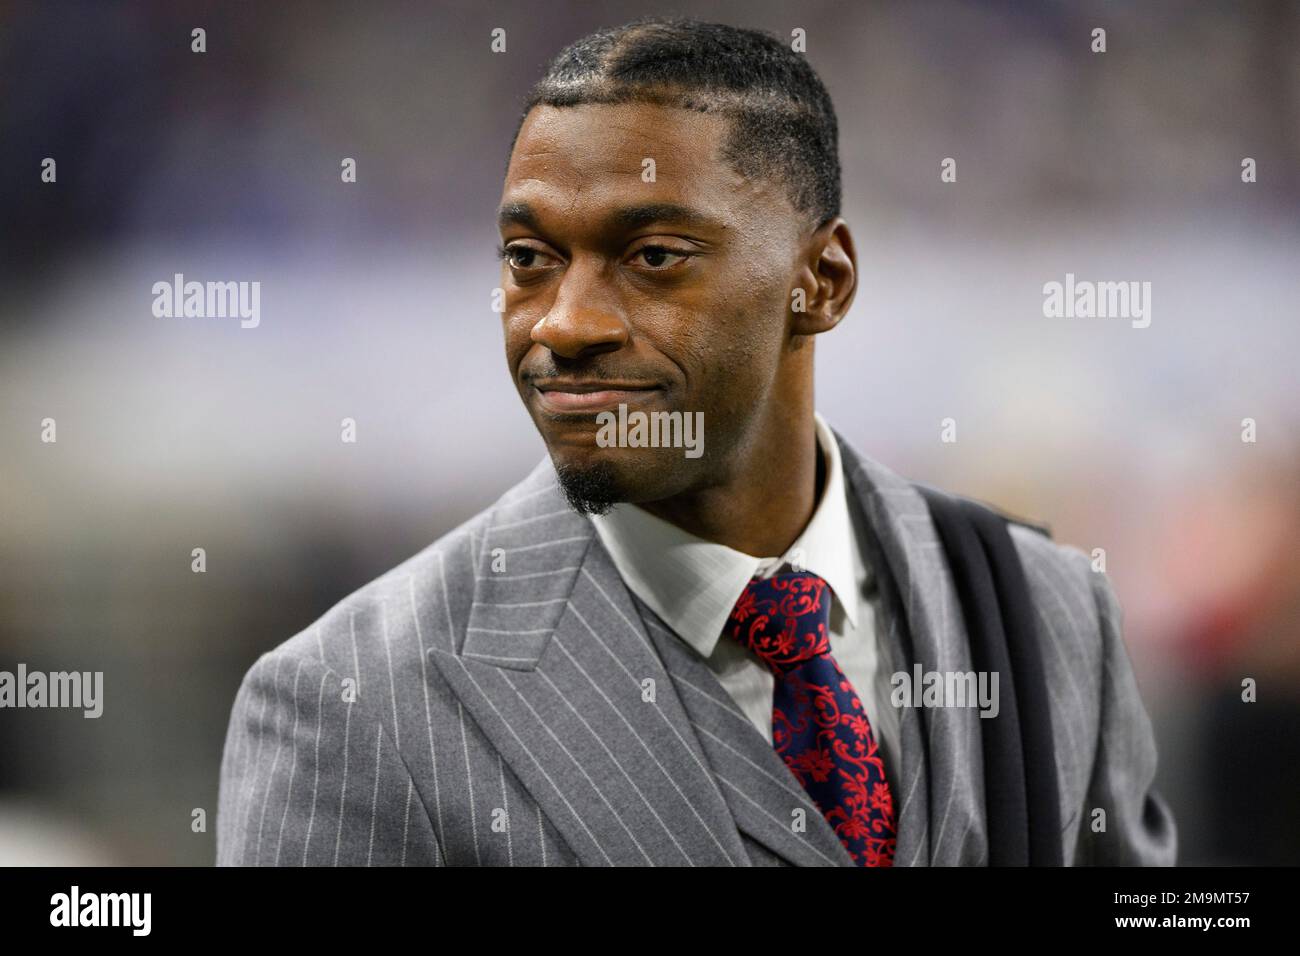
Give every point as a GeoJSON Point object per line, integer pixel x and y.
{"type": "Point", "coordinates": [665, 295]}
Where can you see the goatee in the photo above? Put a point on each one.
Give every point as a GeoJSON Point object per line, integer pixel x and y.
{"type": "Point", "coordinates": [590, 489]}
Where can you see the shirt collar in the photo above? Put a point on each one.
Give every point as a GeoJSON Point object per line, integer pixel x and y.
{"type": "Point", "coordinates": [693, 584]}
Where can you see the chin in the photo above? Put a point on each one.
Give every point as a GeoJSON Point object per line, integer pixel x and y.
{"type": "Point", "coordinates": [594, 479]}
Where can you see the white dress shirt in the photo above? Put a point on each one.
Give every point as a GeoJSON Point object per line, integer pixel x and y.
{"type": "Point", "coordinates": [692, 584]}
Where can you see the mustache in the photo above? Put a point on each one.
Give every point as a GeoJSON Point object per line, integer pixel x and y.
{"type": "Point", "coordinates": [589, 372]}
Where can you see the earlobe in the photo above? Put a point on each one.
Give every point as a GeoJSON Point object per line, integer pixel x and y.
{"type": "Point", "coordinates": [816, 315]}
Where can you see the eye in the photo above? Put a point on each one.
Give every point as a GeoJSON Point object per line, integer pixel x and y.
{"type": "Point", "coordinates": [522, 258]}
{"type": "Point", "coordinates": [660, 258]}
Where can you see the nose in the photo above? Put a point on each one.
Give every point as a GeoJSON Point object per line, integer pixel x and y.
{"type": "Point", "coordinates": [585, 318]}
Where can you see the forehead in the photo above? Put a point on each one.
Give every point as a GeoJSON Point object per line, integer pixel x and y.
{"type": "Point", "coordinates": [581, 160]}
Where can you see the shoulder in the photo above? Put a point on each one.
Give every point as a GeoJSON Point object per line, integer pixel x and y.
{"type": "Point", "coordinates": [1062, 579]}
{"type": "Point", "coordinates": [1075, 605]}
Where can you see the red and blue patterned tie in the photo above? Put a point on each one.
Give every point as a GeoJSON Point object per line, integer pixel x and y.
{"type": "Point", "coordinates": [819, 726]}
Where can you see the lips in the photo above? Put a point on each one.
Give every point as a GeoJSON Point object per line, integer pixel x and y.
{"type": "Point", "coordinates": [589, 397]}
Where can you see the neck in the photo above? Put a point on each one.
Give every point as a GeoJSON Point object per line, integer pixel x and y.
{"type": "Point", "coordinates": [770, 495]}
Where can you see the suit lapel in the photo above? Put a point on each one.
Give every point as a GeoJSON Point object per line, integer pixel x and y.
{"type": "Point", "coordinates": [941, 785]}
{"type": "Point", "coordinates": [558, 671]}
{"type": "Point", "coordinates": [766, 800]}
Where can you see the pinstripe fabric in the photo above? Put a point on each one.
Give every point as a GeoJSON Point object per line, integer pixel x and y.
{"type": "Point", "coordinates": [502, 699]}
{"type": "Point", "coordinates": [768, 804]}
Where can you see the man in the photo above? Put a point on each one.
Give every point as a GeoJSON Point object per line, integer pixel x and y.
{"type": "Point", "coordinates": [658, 649]}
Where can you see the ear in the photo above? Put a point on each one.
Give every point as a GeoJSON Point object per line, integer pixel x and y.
{"type": "Point", "coordinates": [828, 281]}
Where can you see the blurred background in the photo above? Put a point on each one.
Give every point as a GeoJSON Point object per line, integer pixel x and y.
{"type": "Point", "coordinates": [175, 434]}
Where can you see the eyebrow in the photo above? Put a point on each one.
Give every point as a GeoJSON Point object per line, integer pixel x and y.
{"type": "Point", "coordinates": [625, 217]}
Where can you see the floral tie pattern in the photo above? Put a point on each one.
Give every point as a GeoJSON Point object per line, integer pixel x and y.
{"type": "Point", "coordinates": [819, 726]}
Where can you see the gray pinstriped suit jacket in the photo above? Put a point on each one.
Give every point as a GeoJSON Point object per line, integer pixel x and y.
{"type": "Point", "coordinates": [500, 718]}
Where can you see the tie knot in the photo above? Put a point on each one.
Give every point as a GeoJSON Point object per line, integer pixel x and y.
{"type": "Point", "coordinates": [782, 619]}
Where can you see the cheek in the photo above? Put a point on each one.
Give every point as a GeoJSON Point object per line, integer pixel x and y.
{"type": "Point", "coordinates": [747, 331]}
{"type": "Point", "coordinates": [521, 312]}
{"type": "Point", "coordinates": [732, 352]}
{"type": "Point", "coordinates": [518, 335]}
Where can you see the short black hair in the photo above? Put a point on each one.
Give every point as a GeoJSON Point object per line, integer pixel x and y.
{"type": "Point", "coordinates": [783, 125]}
